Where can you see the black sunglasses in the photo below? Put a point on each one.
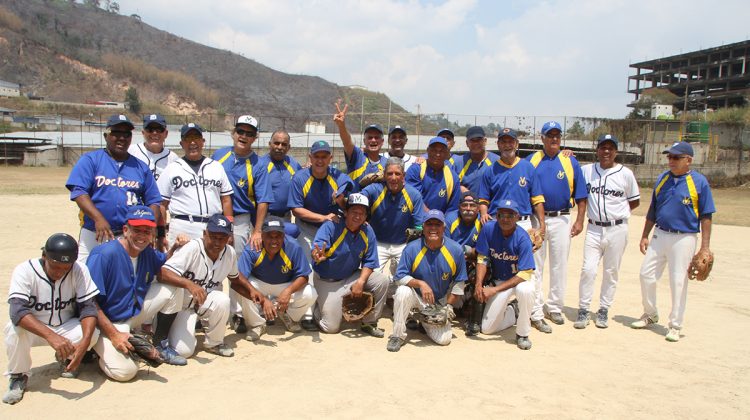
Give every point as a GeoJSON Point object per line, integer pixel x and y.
{"type": "Point", "coordinates": [155, 129]}
{"type": "Point", "coordinates": [247, 133]}
{"type": "Point", "coordinates": [120, 133]}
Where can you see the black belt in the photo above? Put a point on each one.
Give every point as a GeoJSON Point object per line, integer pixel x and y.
{"type": "Point", "coordinates": [556, 213]}
{"type": "Point", "coordinates": [671, 230]}
{"type": "Point", "coordinates": [607, 224]}
{"type": "Point", "coordinates": [198, 219]}
{"type": "Point", "coordinates": [524, 217]}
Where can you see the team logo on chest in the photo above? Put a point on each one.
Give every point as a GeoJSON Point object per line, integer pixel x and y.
{"type": "Point", "coordinates": [404, 208]}
{"type": "Point", "coordinates": [241, 183]}
{"type": "Point", "coordinates": [285, 268]}
{"type": "Point", "coordinates": [475, 237]}
{"type": "Point", "coordinates": [686, 201]}
{"type": "Point", "coordinates": [442, 192]}
{"type": "Point", "coordinates": [560, 175]}
{"type": "Point", "coordinates": [522, 181]}
{"type": "Point", "coordinates": [445, 276]}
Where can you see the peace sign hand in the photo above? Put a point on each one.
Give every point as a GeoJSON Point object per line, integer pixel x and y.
{"type": "Point", "coordinates": [318, 253]}
{"type": "Point", "coordinates": [340, 115]}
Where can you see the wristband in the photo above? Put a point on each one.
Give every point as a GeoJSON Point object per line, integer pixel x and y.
{"type": "Point", "coordinates": [161, 231]}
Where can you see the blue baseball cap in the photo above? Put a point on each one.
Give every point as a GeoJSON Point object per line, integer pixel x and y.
{"type": "Point", "coordinates": [140, 216]}
{"type": "Point", "coordinates": [373, 127]}
{"type": "Point", "coordinates": [507, 205]}
{"type": "Point", "coordinates": [606, 137]}
{"type": "Point", "coordinates": [507, 132]}
{"type": "Point", "coordinates": [435, 214]}
{"type": "Point", "coordinates": [437, 140]}
{"type": "Point", "coordinates": [445, 131]}
{"type": "Point", "coordinates": [154, 119]}
{"type": "Point", "coordinates": [187, 128]}
{"type": "Point", "coordinates": [551, 125]}
{"type": "Point", "coordinates": [396, 128]}
{"type": "Point", "coordinates": [680, 148]}
{"type": "Point", "coordinates": [119, 119]}
{"type": "Point", "coordinates": [219, 224]}
{"type": "Point", "coordinates": [320, 146]}
{"type": "Point", "coordinates": [474, 132]}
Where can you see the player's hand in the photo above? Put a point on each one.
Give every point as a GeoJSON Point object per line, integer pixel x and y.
{"type": "Point", "coordinates": [332, 217]}
{"type": "Point", "coordinates": [269, 309]}
{"type": "Point", "coordinates": [62, 346]}
{"type": "Point", "coordinates": [161, 244]}
{"type": "Point", "coordinates": [576, 228]}
{"type": "Point", "coordinates": [478, 294]}
{"type": "Point", "coordinates": [255, 241]}
{"type": "Point", "coordinates": [340, 117]}
{"type": "Point", "coordinates": [120, 342]}
{"type": "Point", "coordinates": [567, 153]}
{"type": "Point", "coordinates": [357, 288]}
{"type": "Point", "coordinates": [543, 230]}
{"type": "Point", "coordinates": [318, 253]}
{"type": "Point", "coordinates": [77, 356]}
{"type": "Point", "coordinates": [256, 296]}
{"type": "Point", "coordinates": [199, 294]}
{"type": "Point", "coordinates": [283, 299]}
{"type": "Point", "coordinates": [426, 292]}
{"type": "Point", "coordinates": [487, 293]}
{"type": "Point", "coordinates": [103, 231]}
{"type": "Point", "coordinates": [419, 160]}
{"type": "Point", "coordinates": [485, 218]}
{"type": "Point", "coordinates": [181, 240]}
{"type": "Point", "coordinates": [643, 245]}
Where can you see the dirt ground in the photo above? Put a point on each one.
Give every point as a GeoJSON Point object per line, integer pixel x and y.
{"type": "Point", "coordinates": [591, 373]}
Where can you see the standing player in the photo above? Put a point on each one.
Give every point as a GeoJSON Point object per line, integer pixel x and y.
{"type": "Point", "coordinates": [281, 168]}
{"type": "Point", "coordinates": [681, 206]}
{"type": "Point", "coordinates": [396, 143]}
{"type": "Point", "coordinates": [106, 182]}
{"type": "Point", "coordinates": [360, 162]}
{"type": "Point", "coordinates": [194, 188]}
{"type": "Point", "coordinates": [613, 194]}
{"type": "Point", "coordinates": [435, 180]}
{"type": "Point", "coordinates": [471, 165]}
{"type": "Point", "coordinates": [51, 301]}
{"type": "Point", "coordinates": [450, 139]}
{"type": "Point", "coordinates": [562, 186]}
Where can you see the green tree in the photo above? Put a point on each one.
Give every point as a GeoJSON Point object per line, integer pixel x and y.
{"type": "Point", "coordinates": [575, 131]}
{"type": "Point", "coordinates": [132, 100]}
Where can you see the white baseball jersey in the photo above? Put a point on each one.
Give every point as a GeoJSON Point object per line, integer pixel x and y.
{"type": "Point", "coordinates": [192, 262]}
{"type": "Point", "coordinates": [156, 162]}
{"type": "Point", "coordinates": [609, 191]}
{"type": "Point", "coordinates": [407, 159]}
{"type": "Point", "coordinates": [51, 302]}
{"type": "Point", "coordinates": [194, 194]}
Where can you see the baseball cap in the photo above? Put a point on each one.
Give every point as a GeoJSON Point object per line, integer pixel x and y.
{"type": "Point", "coordinates": [357, 199]}
{"type": "Point", "coordinates": [551, 125]}
{"type": "Point", "coordinates": [435, 214]}
{"type": "Point", "coordinates": [396, 128]}
{"type": "Point", "coordinates": [507, 205]}
{"type": "Point", "coordinates": [445, 131]}
{"type": "Point", "coordinates": [154, 119]}
{"type": "Point", "coordinates": [373, 127]}
{"type": "Point", "coordinates": [320, 146]}
{"type": "Point", "coordinates": [219, 224]}
{"type": "Point", "coordinates": [437, 140]}
{"type": "Point", "coordinates": [680, 148]}
{"type": "Point", "coordinates": [507, 132]}
{"type": "Point", "coordinates": [474, 132]}
{"type": "Point", "coordinates": [119, 119]}
{"type": "Point", "coordinates": [140, 216]}
{"type": "Point", "coordinates": [273, 224]}
{"type": "Point", "coordinates": [468, 196]}
{"type": "Point", "coordinates": [187, 128]}
{"type": "Point", "coordinates": [606, 137]}
{"type": "Point", "coordinates": [247, 119]}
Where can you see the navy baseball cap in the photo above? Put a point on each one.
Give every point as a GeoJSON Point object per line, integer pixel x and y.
{"type": "Point", "coordinates": [435, 214]}
{"type": "Point", "coordinates": [437, 140]}
{"type": "Point", "coordinates": [606, 137]}
{"type": "Point", "coordinates": [154, 119]}
{"type": "Point", "coordinates": [373, 127]}
{"type": "Point", "coordinates": [507, 205]}
{"type": "Point", "coordinates": [219, 224]}
{"type": "Point", "coordinates": [396, 128]}
{"type": "Point", "coordinates": [475, 132]}
{"type": "Point", "coordinates": [119, 119]}
{"type": "Point", "coordinates": [680, 148]}
{"type": "Point", "coordinates": [320, 146]}
{"type": "Point", "coordinates": [507, 132]}
{"type": "Point", "coordinates": [468, 196]}
{"type": "Point", "coordinates": [187, 128]}
{"type": "Point", "coordinates": [445, 131]}
{"type": "Point", "coordinates": [551, 125]}
{"type": "Point", "coordinates": [273, 224]}
{"type": "Point", "coordinates": [141, 216]}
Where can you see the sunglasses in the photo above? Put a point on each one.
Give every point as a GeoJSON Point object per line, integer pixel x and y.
{"type": "Point", "coordinates": [553, 136]}
{"type": "Point", "coordinates": [246, 133]}
{"type": "Point", "coordinates": [155, 129]}
{"type": "Point", "coordinates": [119, 133]}
{"type": "Point", "coordinates": [675, 157]}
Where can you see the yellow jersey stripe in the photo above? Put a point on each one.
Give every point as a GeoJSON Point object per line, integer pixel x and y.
{"type": "Point", "coordinates": [306, 187]}
{"type": "Point", "coordinates": [536, 158]}
{"type": "Point", "coordinates": [409, 203]}
{"type": "Point", "coordinates": [455, 224]}
{"type": "Point", "coordinates": [269, 168]}
{"type": "Point", "coordinates": [463, 171]}
{"type": "Point", "coordinates": [661, 184]}
{"type": "Point", "coordinates": [332, 183]}
{"type": "Point", "coordinates": [223, 158]}
{"type": "Point", "coordinates": [364, 238]}
{"type": "Point", "coordinates": [449, 259]}
{"type": "Point", "coordinates": [378, 201]}
{"type": "Point", "coordinates": [336, 244]}
{"type": "Point", "coordinates": [693, 193]}
{"type": "Point", "coordinates": [260, 258]}
{"type": "Point", "coordinates": [568, 168]}
{"type": "Point", "coordinates": [289, 168]}
{"type": "Point", "coordinates": [250, 181]}
{"type": "Point", "coordinates": [448, 179]}
{"type": "Point", "coordinates": [418, 259]}
{"type": "Point", "coordinates": [515, 162]}
{"type": "Point", "coordinates": [358, 172]}
{"type": "Point", "coordinates": [287, 261]}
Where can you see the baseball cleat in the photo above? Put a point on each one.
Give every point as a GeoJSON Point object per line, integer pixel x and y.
{"type": "Point", "coordinates": [291, 326]}
{"type": "Point", "coordinates": [645, 321]}
{"type": "Point", "coordinates": [372, 329]}
{"type": "Point", "coordinates": [170, 355]}
{"type": "Point", "coordinates": [473, 328]}
{"type": "Point", "coordinates": [523, 343]}
{"type": "Point", "coordinates": [254, 333]}
{"type": "Point", "coordinates": [582, 320]}
{"type": "Point", "coordinates": [221, 350]}
{"type": "Point", "coordinates": [555, 317]}
{"type": "Point", "coordinates": [601, 318]}
{"type": "Point", "coordinates": [673, 335]}
{"type": "Point", "coordinates": [394, 344]}
{"type": "Point", "coordinates": [308, 324]}
{"type": "Point", "coordinates": [16, 388]}
{"type": "Point", "coordinates": [541, 325]}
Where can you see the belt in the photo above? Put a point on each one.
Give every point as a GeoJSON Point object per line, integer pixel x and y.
{"type": "Point", "coordinates": [607, 224]}
{"type": "Point", "coordinates": [556, 213]}
{"type": "Point", "coordinates": [524, 217]}
{"type": "Point", "coordinates": [671, 230]}
{"type": "Point", "coordinates": [190, 218]}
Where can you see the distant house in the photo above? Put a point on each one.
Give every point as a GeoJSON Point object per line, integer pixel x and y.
{"type": "Point", "coordinates": [9, 89]}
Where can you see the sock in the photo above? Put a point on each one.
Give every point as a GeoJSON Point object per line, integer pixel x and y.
{"type": "Point", "coordinates": [163, 324]}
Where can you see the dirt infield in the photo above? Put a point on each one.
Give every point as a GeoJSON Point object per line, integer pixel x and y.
{"type": "Point", "coordinates": [591, 373]}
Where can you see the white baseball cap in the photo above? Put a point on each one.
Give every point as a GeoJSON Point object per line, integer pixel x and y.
{"type": "Point", "coordinates": [357, 199]}
{"type": "Point", "coordinates": [247, 119]}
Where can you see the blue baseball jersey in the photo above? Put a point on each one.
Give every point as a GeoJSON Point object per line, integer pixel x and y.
{"type": "Point", "coordinates": [289, 264]}
{"type": "Point", "coordinates": [439, 268]}
{"type": "Point", "coordinates": [460, 232]}
{"type": "Point", "coordinates": [450, 162]}
{"type": "Point", "coordinates": [249, 180]}
{"type": "Point", "coordinates": [359, 165]}
{"type": "Point", "coordinates": [518, 182]}
{"type": "Point", "coordinates": [470, 172]}
{"type": "Point", "coordinates": [112, 186]}
{"type": "Point", "coordinates": [561, 179]}
{"type": "Point", "coordinates": [122, 290]}
{"type": "Point", "coordinates": [280, 175]}
{"type": "Point", "coordinates": [508, 256]}
{"type": "Point", "coordinates": [679, 202]}
{"type": "Point", "coordinates": [346, 251]}
{"type": "Point", "coordinates": [315, 194]}
{"type": "Point", "coordinates": [391, 214]}
{"type": "Point", "coordinates": [440, 190]}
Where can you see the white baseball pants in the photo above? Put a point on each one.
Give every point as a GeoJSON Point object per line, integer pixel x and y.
{"type": "Point", "coordinates": [499, 316]}
{"type": "Point", "coordinates": [328, 310]}
{"type": "Point", "coordinates": [213, 314]}
{"type": "Point", "coordinates": [194, 230]}
{"type": "Point", "coordinates": [241, 229]}
{"type": "Point", "coordinates": [406, 299]}
{"type": "Point", "coordinates": [300, 302]}
{"type": "Point", "coordinates": [605, 243]}
{"type": "Point", "coordinates": [557, 242]}
{"type": "Point", "coordinates": [86, 243]}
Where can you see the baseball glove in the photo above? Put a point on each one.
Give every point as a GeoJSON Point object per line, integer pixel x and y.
{"type": "Point", "coordinates": [412, 234]}
{"type": "Point", "coordinates": [356, 308]}
{"type": "Point", "coordinates": [435, 314]}
{"type": "Point", "coordinates": [370, 178]}
{"type": "Point", "coordinates": [536, 238]}
{"type": "Point", "coordinates": [700, 266]}
{"type": "Point", "coordinates": [144, 350]}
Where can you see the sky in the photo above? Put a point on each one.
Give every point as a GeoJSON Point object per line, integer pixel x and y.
{"type": "Point", "coordinates": [461, 57]}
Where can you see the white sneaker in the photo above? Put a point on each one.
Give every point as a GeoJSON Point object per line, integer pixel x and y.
{"type": "Point", "coordinates": [673, 335]}
{"type": "Point", "coordinates": [253, 334]}
{"type": "Point", "coordinates": [645, 321]}
{"type": "Point", "coordinates": [291, 326]}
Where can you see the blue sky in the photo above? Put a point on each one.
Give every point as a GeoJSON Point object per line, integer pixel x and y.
{"type": "Point", "coordinates": [546, 58]}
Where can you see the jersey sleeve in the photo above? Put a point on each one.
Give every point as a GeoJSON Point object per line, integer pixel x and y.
{"type": "Point", "coordinates": [485, 186]}
{"type": "Point", "coordinates": [246, 261]}
{"type": "Point", "coordinates": [85, 287]}
{"type": "Point", "coordinates": [20, 282]}
{"type": "Point", "coordinates": [632, 191]}
{"type": "Point", "coordinates": [403, 270]}
{"type": "Point", "coordinates": [182, 258]}
{"type": "Point", "coordinates": [370, 259]}
{"type": "Point", "coordinates": [483, 241]}
{"type": "Point", "coordinates": [164, 183]}
{"type": "Point", "coordinates": [418, 214]}
{"type": "Point", "coordinates": [226, 186]}
{"type": "Point", "coordinates": [412, 177]}
{"type": "Point", "coordinates": [461, 274]}
{"type": "Point", "coordinates": [456, 196]}
{"type": "Point", "coordinates": [579, 187]}
{"type": "Point", "coordinates": [233, 271]}
{"type": "Point", "coordinates": [97, 267]}
{"type": "Point", "coordinates": [525, 252]}
{"type": "Point", "coordinates": [295, 199]}
{"type": "Point", "coordinates": [345, 184]}
{"type": "Point", "coordinates": [262, 184]}
{"type": "Point", "coordinates": [537, 194]}
{"type": "Point", "coordinates": [299, 261]}
{"type": "Point", "coordinates": [81, 176]}
{"type": "Point", "coordinates": [354, 160]}
{"type": "Point", "coordinates": [705, 199]}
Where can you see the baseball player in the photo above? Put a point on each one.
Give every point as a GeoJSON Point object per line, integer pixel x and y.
{"type": "Point", "coordinates": [276, 281]}
{"type": "Point", "coordinates": [472, 164]}
{"type": "Point", "coordinates": [463, 225]}
{"type": "Point", "coordinates": [562, 186]}
{"type": "Point", "coordinates": [396, 143]}
{"type": "Point", "coordinates": [681, 206]}
{"type": "Point", "coordinates": [124, 271]}
{"type": "Point", "coordinates": [430, 270]}
{"type": "Point", "coordinates": [613, 194]}
{"type": "Point", "coordinates": [51, 302]}
{"type": "Point", "coordinates": [395, 208]}
{"type": "Point", "coordinates": [435, 180]}
{"type": "Point", "coordinates": [198, 269]}
{"type": "Point", "coordinates": [194, 188]}
{"type": "Point", "coordinates": [360, 162]}
{"type": "Point", "coordinates": [344, 256]}
{"type": "Point", "coordinates": [450, 140]}
{"type": "Point", "coordinates": [106, 182]}
{"type": "Point", "coordinates": [507, 247]}
{"type": "Point", "coordinates": [281, 168]}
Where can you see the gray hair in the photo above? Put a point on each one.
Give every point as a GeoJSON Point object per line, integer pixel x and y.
{"type": "Point", "coordinates": [393, 160]}
{"type": "Point", "coordinates": [282, 132]}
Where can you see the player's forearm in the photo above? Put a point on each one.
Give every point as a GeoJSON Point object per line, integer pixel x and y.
{"type": "Point", "coordinates": [156, 208]}
{"type": "Point", "coordinates": [581, 213]}
{"type": "Point", "coordinates": [88, 208]}
{"type": "Point", "coordinates": [364, 275]}
{"type": "Point", "coordinates": [539, 212]}
{"type": "Point", "coordinates": [171, 278]}
{"type": "Point", "coordinates": [226, 206]}
{"type": "Point", "coordinates": [298, 284]}
{"type": "Point", "coordinates": [34, 326]}
{"type": "Point", "coordinates": [346, 139]}
{"type": "Point", "coordinates": [481, 273]}
{"type": "Point", "coordinates": [307, 215]}
{"type": "Point", "coordinates": [260, 215]}
{"type": "Point", "coordinates": [88, 325]}
{"type": "Point", "coordinates": [634, 204]}
{"type": "Point", "coordinates": [706, 233]}
{"type": "Point", "coordinates": [242, 286]}
{"type": "Point", "coordinates": [483, 210]}
{"type": "Point", "coordinates": [508, 284]}
{"type": "Point", "coordinates": [647, 226]}
{"type": "Point", "coordinates": [105, 325]}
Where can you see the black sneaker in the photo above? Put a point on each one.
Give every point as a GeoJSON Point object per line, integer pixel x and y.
{"type": "Point", "coordinates": [412, 324]}
{"type": "Point", "coordinates": [372, 329]}
{"type": "Point", "coordinates": [308, 324]}
{"type": "Point", "coordinates": [473, 328]}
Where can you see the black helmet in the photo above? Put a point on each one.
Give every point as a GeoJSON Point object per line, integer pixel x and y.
{"type": "Point", "coordinates": [61, 247]}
